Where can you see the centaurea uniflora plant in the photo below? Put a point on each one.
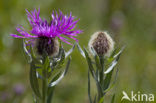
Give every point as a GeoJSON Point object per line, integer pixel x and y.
{"type": "Point", "coordinates": [44, 50]}
{"type": "Point", "coordinates": [101, 59]}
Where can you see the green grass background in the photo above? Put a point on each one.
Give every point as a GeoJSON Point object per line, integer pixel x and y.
{"type": "Point", "coordinates": [129, 22]}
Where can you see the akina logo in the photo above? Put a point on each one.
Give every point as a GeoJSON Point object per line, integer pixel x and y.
{"type": "Point", "coordinates": [137, 96]}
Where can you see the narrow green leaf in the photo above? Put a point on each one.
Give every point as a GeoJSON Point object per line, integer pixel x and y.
{"type": "Point", "coordinates": [111, 67]}
{"type": "Point", "coordinates": [70, 51]}
{"type": "Point", "coordinates": [26, 52]}
{"type": "Point", "coordinates": [109, 71]}
{"type": "Point", "coordinates": [60, 63]}
{"type": "Point", "coordinates": [108, 87]}
{"type": "Point", "coordinates": [81, 51]}
{"type": "Point", "coordinates": [34, 59]}
{"type": "Point", "coordinates": [56, 67]}
{"type": "Point", "coordinates": [98, 65]}
{"type": "Point", "coordinates": [46, 63]}
{"type": "Point", "coordinates": [117, 55]}
{"type": "Point", "coordinates": [55, 77]}
{"type": "Point", "coordinates": [91, 68]}
{"type": "Point", "coordinates": [107, 80]}
{"type": "Point", "coordinates": [32, 53]}
{"type": "Point", "coordinates": [53, 83]}
{"type": "Point", "coordinates": [34, 80]}
{"type": "Point", "coordinates": [93, 51]}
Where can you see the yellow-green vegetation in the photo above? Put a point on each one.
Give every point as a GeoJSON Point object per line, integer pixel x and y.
{"type": "Point", "coordinates": [129, 22]}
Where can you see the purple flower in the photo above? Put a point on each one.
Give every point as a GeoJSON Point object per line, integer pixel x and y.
{"type": "Point", "coordinates": [4, 96]}
{"type": "Point", "coordinates": [19, 89]}
{"type": "Point", "coordinates": [59, 25]}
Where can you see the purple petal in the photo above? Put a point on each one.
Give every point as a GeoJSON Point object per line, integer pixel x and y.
{"type": "Point", "coordinates": [17, 36]}
{"type": "Point", "coordinates": [64, 40]}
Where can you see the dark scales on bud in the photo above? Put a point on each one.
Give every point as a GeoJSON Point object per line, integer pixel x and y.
{"type": "Point", "coordinates": [101, 44]}
{"type": "Point", "coordinates": [48, 45]}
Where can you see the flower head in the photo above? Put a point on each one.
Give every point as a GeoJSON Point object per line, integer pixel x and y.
{"type": "Point", "coordinates": [102, 43]}
{"type": "Point", "coordinates": [59, 25]}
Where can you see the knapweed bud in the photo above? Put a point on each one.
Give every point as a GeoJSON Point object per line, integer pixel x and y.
{"type": "Point", "coordinates": [102, 43]}
{"type": "Point", "coordinates": [48, 45]}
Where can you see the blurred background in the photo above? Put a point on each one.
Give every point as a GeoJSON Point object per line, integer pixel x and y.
{"type": "Point", "coordinates": [129, 22]}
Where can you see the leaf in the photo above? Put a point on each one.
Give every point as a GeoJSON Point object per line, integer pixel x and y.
{"type": "Point", "coordinates": [55, 74]}
{"type": "Point", "coordinates": [93, 51]}
{"type": "Point", "coordinates": [119, 53]}
{"type": "Point", "coordinates": [34, 59]}
{"type": "Point", "coordinates": [89, 95]}
{"type": "Point", "coordinates": [110, 70]}
{"type": "Point", "coordinates": [81, 51]}
{"type": "Point", "coordinates": [99, 66]}
{"type": "Point", "coordinates": [69, 52]}
{"type": "Point", "coordinates": [55, 77]}
{"type": "Point", "coordinates": [97, 59]}
{"type": "Point", "coordinates": [34, 80]}
{"type": "Point", "coordinates": [53, 83]}
{"type": "Point", "coordinates": [109, 88]}
{"type": "Point", "coordinates": [26, 52]}
{"type": "Point", "coordinates": [97, 62]}
{"type": "Point", "coordinates": [111, 67]}
{"type": "Point", "coordinates": [101, 100]}
{"type": "Point", "coordinates": [38, 75]}
{"type": "Point", "coordinates": [57, 65]}
{"type": "Point", "coordinates": [107, 80]}
{"type": "Point", "coordinates": [46, 63]}
{"type": "Point", "coordinates": [113, 99]}
{"type": "Point", "coordinates": [60, 62]}
{"type": "Point", "coordinates": [91, 69]}
{"type": "Point", "coordinates": [97, 75]}
{"type": "Point", "coordinates": [113, 84]}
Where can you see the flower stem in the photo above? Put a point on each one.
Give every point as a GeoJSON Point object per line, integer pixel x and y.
{"type": "Point", "coordinates": [44, 83]}
{"type": "Point", "coordinates": [44, 87]}
{"type": "Point", "coordinates": [100, 93]}
{"type": "Point", "coordinates": [102, 69]}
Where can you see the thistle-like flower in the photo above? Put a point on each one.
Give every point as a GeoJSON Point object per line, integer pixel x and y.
{"type": "Point", "coordinates": [46, 33]}
{"type": "Point", "coordinates": [102, 43]}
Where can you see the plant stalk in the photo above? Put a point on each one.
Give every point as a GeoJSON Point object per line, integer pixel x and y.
{"type": "Point", "coordinates": [101, 75]}
{"type": "Point", "coordinates": [44, 83]}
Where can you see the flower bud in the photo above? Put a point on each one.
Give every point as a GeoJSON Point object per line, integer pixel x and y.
{"type": "Point", "coordinates": [48, 45]}
{"type": "Point", "coordinates": [102, 44]}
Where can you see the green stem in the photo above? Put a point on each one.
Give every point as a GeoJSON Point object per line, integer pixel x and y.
{"type": "Point", "coordinates": [44, 87]}
{"type": "Point", "coordinates": [44, 83]}
{"type": "Point", "coordinates": [100, 93]}
{"type": "Point", "coordinates": [101, 71]}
